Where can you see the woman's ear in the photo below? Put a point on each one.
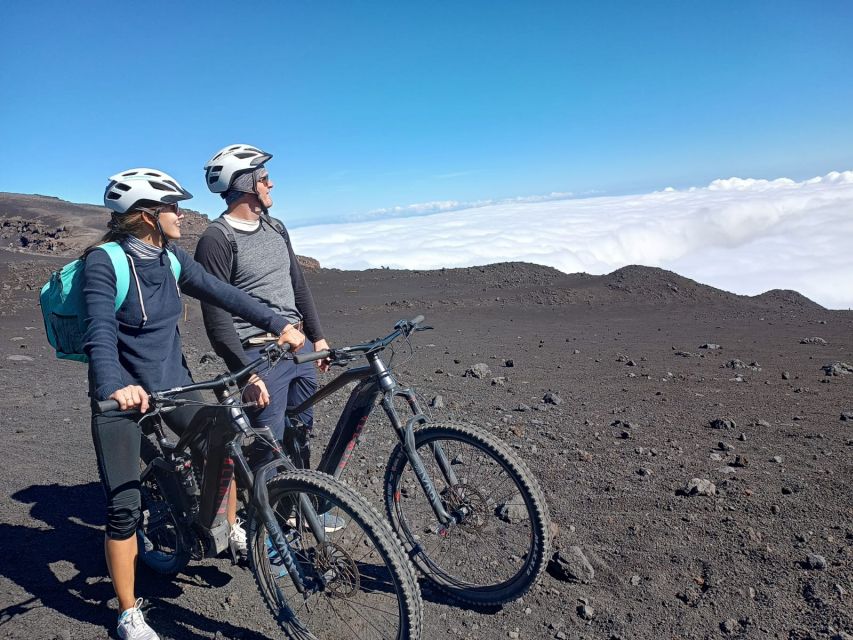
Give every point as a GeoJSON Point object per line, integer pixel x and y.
{"type": "Point", "coordinates": [149, 220]}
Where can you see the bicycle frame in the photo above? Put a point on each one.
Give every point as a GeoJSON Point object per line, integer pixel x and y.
{"type": "Point", "coordinates": [224, 458]}
{"type": "Point", "coordinates": [375, 380]}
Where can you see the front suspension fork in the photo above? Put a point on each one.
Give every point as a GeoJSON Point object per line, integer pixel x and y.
{"type": "Point", "coordinates": [408, 442]}
{"type": "Point", "coordinates": [277, 538]}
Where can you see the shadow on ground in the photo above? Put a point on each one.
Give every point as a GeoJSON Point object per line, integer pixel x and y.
{"type": "Point", "coordinates": [61, 566]}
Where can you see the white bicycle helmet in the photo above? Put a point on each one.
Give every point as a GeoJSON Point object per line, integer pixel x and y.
{"type": "Point", "coordinates": [230, 162]}
{"type": "Point", "coordinates": [128, 188]}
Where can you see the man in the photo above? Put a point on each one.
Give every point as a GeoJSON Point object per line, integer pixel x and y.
{"type": "Point", "coordinates": [252, 251]}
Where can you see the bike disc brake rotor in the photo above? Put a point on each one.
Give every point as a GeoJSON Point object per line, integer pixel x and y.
{"type": "Point", "coordinates": [338, 569]}
{"type": "Point", "coordinates": [468, 501]}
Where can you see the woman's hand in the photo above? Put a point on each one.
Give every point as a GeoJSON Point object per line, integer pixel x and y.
{"type": "Point", "coordinates": [131, 397]}
{"type": "Point", "coordinates": [256, 392]}
{"type": "Point", "coordinates": [292, 336]}
{"type": "Point", "coordinates": [324, 364]}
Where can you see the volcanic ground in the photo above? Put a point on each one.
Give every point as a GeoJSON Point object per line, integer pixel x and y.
{"type": "Point", "coordinates": [696, 452]}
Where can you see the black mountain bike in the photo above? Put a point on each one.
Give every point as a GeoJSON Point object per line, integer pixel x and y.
{"type": "Point", "coordinates": [317, 584]}
{"type": "Point", "coordinates": [470, 514]}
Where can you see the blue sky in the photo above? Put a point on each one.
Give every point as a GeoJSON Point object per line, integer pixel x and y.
{"type": "Point", "coordinates": [371, 105]}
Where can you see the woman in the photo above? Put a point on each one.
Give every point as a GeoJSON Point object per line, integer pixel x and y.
{"type": "Point", "coordinates": [137, 349]}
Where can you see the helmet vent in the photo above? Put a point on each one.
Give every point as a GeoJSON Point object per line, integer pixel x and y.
{"type": "Point", "coordinates": [129, 173]}
{"type": "Point", "coordinates": [243, 155]}
{"type": "Point", "coordinates": [160, 186]}
{"type": "Point", "coordinates": [122, 186]}
{"type": "Point", "coordinates": [112, 195]}
{"type": "Point", "coordinates": [216, 168]}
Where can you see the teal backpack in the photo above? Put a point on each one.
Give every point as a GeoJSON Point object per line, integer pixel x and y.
{"type": "Point", "coordinates": [62, 304]}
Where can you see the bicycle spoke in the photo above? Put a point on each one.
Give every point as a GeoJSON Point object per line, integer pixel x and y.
{"type": "Point", "coordinates": [482, 550]}
{"type": "Point", "coordinates": [350, 584]}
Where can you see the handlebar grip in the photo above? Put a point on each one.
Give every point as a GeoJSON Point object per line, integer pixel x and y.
{"type": "Point", "coordinates": [107, 405]}
{"type": "Point", "coordinates": [416, 320]}
{"type": "Point", "coordinates": [299, 358]}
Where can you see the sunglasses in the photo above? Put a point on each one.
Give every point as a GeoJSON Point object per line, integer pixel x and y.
{"type": "Point", "coordinates": [166, 208]}
{"type": "Point", "coordinates": [265, 179]}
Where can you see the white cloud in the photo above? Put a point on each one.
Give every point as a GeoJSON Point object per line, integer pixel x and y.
{"type": "Point", "coordinates": [742, 235]}
{"type": "Point", "coordinates": [437, 206]}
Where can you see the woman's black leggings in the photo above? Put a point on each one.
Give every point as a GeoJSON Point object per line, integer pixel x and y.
{"type": "Point", "coordinates": [117, 445]}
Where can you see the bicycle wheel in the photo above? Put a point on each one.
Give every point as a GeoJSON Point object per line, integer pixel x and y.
{"type": "Point", "coordinates": [360, 583]}
{"type": "Point", "coordinates": [500, 547]}
{"type": "Point", "coordinates": [164, 543]}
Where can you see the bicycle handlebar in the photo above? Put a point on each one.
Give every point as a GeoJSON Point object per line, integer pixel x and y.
{"type": "Point", "coordinates": [403, 327]}
{"type": "Point", "coordinates": [272, 351]}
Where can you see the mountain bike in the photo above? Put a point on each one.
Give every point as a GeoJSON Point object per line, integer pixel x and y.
{"type": "Point", "coordinates": [469, 512]}
{"type": "Point", "coordinates": [316, 583]}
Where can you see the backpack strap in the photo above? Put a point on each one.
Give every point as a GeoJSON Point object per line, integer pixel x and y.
{"type": "Point", "coordinates": [119, 259]}
{"type": "Point", "coordinates": [228, 232]}
{"type": "Point", "coordinates": [175, 264]}
{"type": "Point", "coordinates": [277, 225]}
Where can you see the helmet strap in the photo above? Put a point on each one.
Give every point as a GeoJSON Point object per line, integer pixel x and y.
{"type": "Point", "coordinates": [155, 213]}
{"type": "Point", "coordinates": [163, 236]}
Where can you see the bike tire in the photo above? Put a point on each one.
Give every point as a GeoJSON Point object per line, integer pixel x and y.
{"type": "Point", "coordinates": [490, 560]}
{"type": "Point", "coordinates": [386, 587]}
{"type": "Point", "coordinates": [164, 545]}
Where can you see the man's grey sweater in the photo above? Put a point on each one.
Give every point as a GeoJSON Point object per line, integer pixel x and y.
{"type": "Point", "coordinates": [266, 269]}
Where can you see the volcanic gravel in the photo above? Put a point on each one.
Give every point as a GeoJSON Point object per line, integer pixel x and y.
{"type": "Point", "coordinates": [693, 499]}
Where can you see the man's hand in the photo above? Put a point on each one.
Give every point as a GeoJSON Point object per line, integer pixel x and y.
{"type": "Point", "coordinates": [256, 392]}
{"type": "Point", "coordinates": [292, 336]}
{"type": "Point", "coordinates": [131, 397]}
{"type": "Point", "coordinates": [324, 364]}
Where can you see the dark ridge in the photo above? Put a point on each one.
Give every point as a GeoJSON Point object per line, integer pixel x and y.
{"type": "Point", "coordinates": [660, 284]}
{"type": "Point", "coordinates": [36, 224]}
{"type": "Point", "coordinates": [786, 298]}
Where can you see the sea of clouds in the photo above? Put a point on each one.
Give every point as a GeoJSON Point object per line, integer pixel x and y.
{"type": "Point", "coordinates": [742, 235]}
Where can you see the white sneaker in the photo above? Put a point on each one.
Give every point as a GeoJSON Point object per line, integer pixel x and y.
{"type": "Point", "coordinates": [132, 625]}
{"type": "Point", "coordinates": [237, 541]}
{"type": "Point", "coordinates": [330, 522]}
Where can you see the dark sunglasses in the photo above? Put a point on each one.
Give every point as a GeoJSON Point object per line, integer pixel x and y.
{"type": "Point", "coordinates": [165, 208]}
